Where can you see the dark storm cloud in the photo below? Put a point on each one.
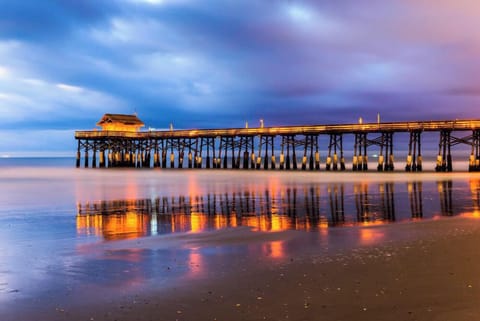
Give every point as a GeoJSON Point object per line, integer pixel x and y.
{"type": "Point", "coordinates": [221, 63]}
{"type": "Point", "coordinates": [49, 20]}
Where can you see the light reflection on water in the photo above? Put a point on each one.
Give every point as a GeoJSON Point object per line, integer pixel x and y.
{"type": "Point", "coordinates": [279, 208]}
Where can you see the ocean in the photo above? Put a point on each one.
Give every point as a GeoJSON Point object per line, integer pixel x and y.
{"type": "Point", "coordinates": [66, 231]}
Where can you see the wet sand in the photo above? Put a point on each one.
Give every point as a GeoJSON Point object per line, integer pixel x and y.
{"type": "Point", "coordinates": [423, 271]}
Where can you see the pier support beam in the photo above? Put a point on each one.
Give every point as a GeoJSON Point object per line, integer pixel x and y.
{"type": "Point", "coordinates": [163, 157]}
{"type": "Point", "coordinates": [294, 153]}
{"type": "Point", "coordinates": [259, 155]}
{"type": "Point", "coordinates": [86, 155]}
{"type": "Point", "coordinates": [246, 144]}
{"type": "Point", "coordinates": [444, 157]}
{"type": "Point", "coordinates": [156, 156]}
{"type": "Point", "coordinates": [199, 157]}
{"type": "Point", "coordinates": [208, 142]}
{"type": "Point", "coordinates": [355, 160]}
{"type": "Point", "coordinates": [360, 158]}
{"type": "Point", "coordinates": [336, 145]}
{"type": "Point", "coordinates": [414, 158]}
{"type": "Point", "coordinates": [77, 163]}
{"type": "Point", "coordinates": [474, 160]}
{"type": "Point", "coordinates": [273, 159]}
{"type": "Point", "coordinates": [304, 158]}
{"type": "Point", "coordinates": [172, 155]}
{"type": "Point", "coordinates": [317, 154]}
{"type": "Point", "coordinates": [265, 156]}
{"type": "Point", "coordinates": [289, 142]}
{"type": "Point", "coordinates": [94, 156]}
{"type": "Point", "coordinates": [385, 156]}
{"type": "Point", "coordinates": [102, 158]}
{"type": "Point", "coordinates": [190, 155]}
{"type": "Point", "coordinates": [234, 160]}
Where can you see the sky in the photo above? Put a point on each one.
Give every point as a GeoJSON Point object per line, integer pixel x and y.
{"type": "Point", "coordinates": [220, 63]}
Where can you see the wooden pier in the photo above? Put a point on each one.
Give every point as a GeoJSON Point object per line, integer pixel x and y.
{"type": "Point", "coordinates": [281, 147]}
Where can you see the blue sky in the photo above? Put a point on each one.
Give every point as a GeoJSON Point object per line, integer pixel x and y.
{"type": "Point", "coordinates": [212, 63]}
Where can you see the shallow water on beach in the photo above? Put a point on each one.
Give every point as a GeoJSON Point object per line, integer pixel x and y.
{"type": "Point", "coordinates": [65, 231]}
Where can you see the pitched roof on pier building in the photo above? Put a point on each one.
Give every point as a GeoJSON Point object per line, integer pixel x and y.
{"type": "Point", "coordinates": [120, 122]}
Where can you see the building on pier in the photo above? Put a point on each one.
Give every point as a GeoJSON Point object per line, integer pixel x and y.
{"type": "Point", "coordinates": [120, 122]}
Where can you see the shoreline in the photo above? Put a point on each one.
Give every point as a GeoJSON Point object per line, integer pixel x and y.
{"type": "Point", "coordinates": [431, 274]}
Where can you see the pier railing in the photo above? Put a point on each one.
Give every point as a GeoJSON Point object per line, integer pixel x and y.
{"type": "Point", "coordinates": [454, 125]}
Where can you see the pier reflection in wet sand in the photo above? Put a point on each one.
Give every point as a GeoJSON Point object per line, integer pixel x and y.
{"type": "Point", "coordinates": [313, 207]}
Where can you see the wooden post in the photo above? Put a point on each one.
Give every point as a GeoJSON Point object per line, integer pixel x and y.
{"type": "Point", "coordinates": [342, 158]}
{"type": "Point", "coordinates": [287, 162]}
{"type": "Point", "coordinates": [391, 165]}
{"type": "Point", "coordinates": [355, 157]}
{"type": "Point", "coordinates": [213, 153]}
{"type": "Point", "coordinates": [365, 156]}
{"type": "Point", "coordinates": [102, 158]}
{"type": "Point", "coordinates": [259, 157]}
{"type": "Point", "coordinates": [172, 155]}
{"type": "Point", "coordinates": [311, 164]}
{"type": "Point", "coordinates": [409, 166]}
{"type": "Point", "coordinates": [246, 155]}
{"type": "Point", "coordinates": [381, 159]}
{"type": "Point", "coordinates": [335, 156]}
{"type": "Point", "coordinates": [207, 165]}
{"type": "Point", "coordinates": [449, 153]}
{"type": "Point", "coordinates": [189, 155]}
{"type": "Point", "coordinates": [419, 153]}
{"type": "Point", "coordinates": [304, 158]}
{"type": "Point", "coordinates": [220, 153]}
{"type": "Point", "coordinates": [294, 155]}
{"type": "Point", "coordinates": [86, 154]}
{"type": "Point", "coordinates": [225, 154]}
{"type": "Point", "coordinates": [265, 159]}
{"type": "Point", "coordinates": [200, 153]}
{"type": "Point", "coordinates": [94, 156]}
{"type": "Point", "coordinates": [180, 155]}
{"type": "Point", "coordinates": [282, 156]}
{"type": "Point", "coordinates": [273, 161]}
{"type": "Point", "coordinates": [77, 164]}
{"type": "Point", "coordinates": [234, 162]}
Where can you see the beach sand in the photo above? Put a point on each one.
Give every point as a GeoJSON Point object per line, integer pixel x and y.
{"type": "Point", "coordinates": [428, 270]}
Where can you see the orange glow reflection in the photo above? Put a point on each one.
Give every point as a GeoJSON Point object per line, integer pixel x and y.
{"type": "Point", "coordinates": [475, 190]}
{"type": "Point", "coordinates": [264, 223]}
{"type": "Point", "coordinates": [195, 261]}
{"type": "Point", "coordinates": [113, 220]}
{"type": "Point", "coordinates": [197, 222]}
{"type": "Point", "coordinates": [370, 236]}
{"type": "Point", "coordinates": [114, 227]}
{"type": "Point", "coordinates": [274, 249]}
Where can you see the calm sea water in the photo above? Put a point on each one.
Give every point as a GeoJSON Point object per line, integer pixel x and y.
{"type": "Point", "coordinates": [60, 227]}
